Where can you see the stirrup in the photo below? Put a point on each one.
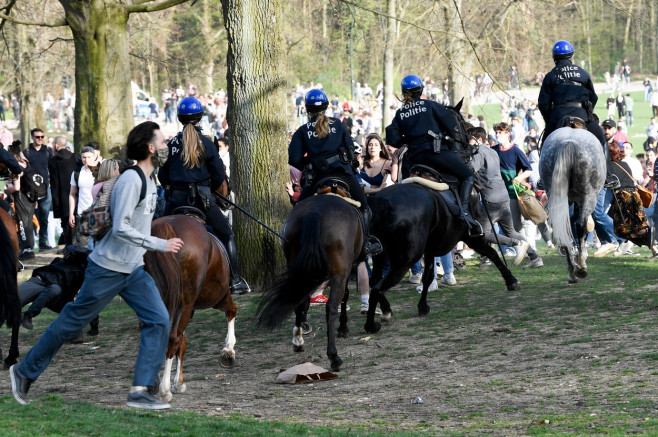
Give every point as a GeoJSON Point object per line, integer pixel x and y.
{"type": "Point", "coordinates": [474, 227]}
{"type": "Point", "coordinates": [239, 286]}
{"type": "Point", "coordinates": [372, 246]}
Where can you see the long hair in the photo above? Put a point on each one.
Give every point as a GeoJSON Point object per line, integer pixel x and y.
{"type": "Point", "coordinates": [193, 153]}
{"type": "Point", "coordinates": [106, 170]}
{"type": "Point", "coordinates": [321, 123]}
{"type": "Point", "coordinates": [383, 153]}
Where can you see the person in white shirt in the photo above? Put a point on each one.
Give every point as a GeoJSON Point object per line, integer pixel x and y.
{"type": "Point", "coordinates": [636, 166]}
{"type": "Point", "coordinates": [80, 197]}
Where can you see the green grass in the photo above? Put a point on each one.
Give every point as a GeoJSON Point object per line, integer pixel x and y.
{"type": "Point", "coordinates": [581, 357]}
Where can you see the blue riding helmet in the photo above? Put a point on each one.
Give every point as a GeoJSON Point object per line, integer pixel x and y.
{"type": "Point", "coordinates": [189, 106]}
{"type": "Point", "coordinates": [562, 50]}
{"type": "Point", "coordinates": [316, 101]}
{"type": "Point", "coordinates": [190, 110]}
{"type": "Point", "coordinates": [411, 83]}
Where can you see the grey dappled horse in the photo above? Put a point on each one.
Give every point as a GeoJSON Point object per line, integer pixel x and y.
{"type": "Point", "coordinates": [572, 167]}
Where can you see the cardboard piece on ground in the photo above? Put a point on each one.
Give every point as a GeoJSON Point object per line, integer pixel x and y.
{"type": "Point", "coordinates": [303, 373]}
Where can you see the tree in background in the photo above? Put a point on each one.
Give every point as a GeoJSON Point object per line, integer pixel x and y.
{"type": "Point", "coordinates": [257, 125]}
{"type": "Point", "coordinates": [103, 103]}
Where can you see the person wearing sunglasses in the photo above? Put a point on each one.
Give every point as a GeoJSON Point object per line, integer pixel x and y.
{"type": "Point", "coordinates": [38, 155]}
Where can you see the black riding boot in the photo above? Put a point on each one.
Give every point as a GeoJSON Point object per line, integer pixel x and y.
{"type": "Point", "coordinates": [475, 228]}
{"type": "Point", "coordinates": [238, 285]}
{"type": "Point", "coordinates": [371, 244]}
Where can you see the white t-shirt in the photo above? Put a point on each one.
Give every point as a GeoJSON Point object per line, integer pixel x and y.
{"type": "Point", "coordinates": [86, 183]}
{"type": "Point", "coordinates": [636, 169]}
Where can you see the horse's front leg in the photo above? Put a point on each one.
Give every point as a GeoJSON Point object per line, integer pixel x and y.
{"type": "Point", "coordinates": [179, 380]}
{"type": "Point", "coordinates": [343, 330]}
{"type": "Point", "coordinates": [428, 276]}
{"type": "Point", "coordinates": [165, 381]}
{"type": "Point", "coordinates": [228, 353]}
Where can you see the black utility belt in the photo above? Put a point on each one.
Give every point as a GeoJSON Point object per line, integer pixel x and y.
{"type": "Point", "coordinates": [571, 105]}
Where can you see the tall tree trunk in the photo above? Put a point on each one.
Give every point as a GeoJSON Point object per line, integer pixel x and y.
{"type": "Point", "coordinates": [460, 56]}
{"type": "Point", "coordinates": [257, 130]}
{"type": "Point", "coordinates": [103, 96]}
{"type": "Point", "coordinates": [389, 43]}
{"type": "Point", "coordinates": [653, 36]}
{"type": "Point", "coordinates": [206, 31]}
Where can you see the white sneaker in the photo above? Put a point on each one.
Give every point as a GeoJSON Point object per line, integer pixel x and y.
{"type": "Point", "coordinates": [521, 250]}
{"type": "Point", "coordinates": [415, 279]}
{"type": "Point", "coordinates": [623, 247]}
{"type": "Point", "coordinates": [448, 280]}
{"type": "Point", "coordinates": [364, 309]}
{"type": "Point", "coordinates": [433, 287]}
{"type": "Point", "coordinates": [537, 262]}
{"type": "Point", "coordinates": [605, 249]}
{"type": "Point", "coordinates": [510, 252]}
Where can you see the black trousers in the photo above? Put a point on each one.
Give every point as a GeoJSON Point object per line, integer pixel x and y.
{"type": "Point", "coordinates": [214, 217]}
{"type": "Point", "coordinates": [444, 162]}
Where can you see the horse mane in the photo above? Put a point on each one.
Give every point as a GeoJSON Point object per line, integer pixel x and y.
{"type": "Point", "coordinates": [165, 269]}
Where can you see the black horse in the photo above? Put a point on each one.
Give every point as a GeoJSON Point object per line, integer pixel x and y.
{"type": "Point", "coordinates": [323, 238]}
{"type": "Point", "coordinates": [411, 221]}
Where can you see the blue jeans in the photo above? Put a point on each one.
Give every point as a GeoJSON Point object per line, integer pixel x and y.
{"type": "Point", "coordinates": [602, 222]}
{"type": "Point", "coordinates": [416, 269]}
{"type": "Point", "coordinates": [447, 263]}
{"type": "Point", "coordinates": [45, 205]}
{"type": "Point", "coordinates": [99, 288]}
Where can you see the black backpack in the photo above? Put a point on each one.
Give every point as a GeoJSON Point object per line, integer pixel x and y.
{"type": "Point", "coordinates": [33, 186]}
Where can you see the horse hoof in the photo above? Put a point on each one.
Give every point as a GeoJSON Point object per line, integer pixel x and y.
{"type": "Point", "coordinates": [573, 280]}
{"type": "Point", "coordinates": [581, 273]}
{"type": "Point", "coordinates": [387, 317]}
{"type": "Point", "coordinates": [166, 397]}
{"type": "Point", "coordinates": [306, 328]}
{"type": "Point", "coordinates": [335, 364]}
{"type": "Point", "coordinates": [514, 286]}
{"type": "Point", "coordinates": [180, 389]}
{"type": "Point", "coordinates": [374, 328]}
{"type": "Point", "coordinates": [227, 361]}
{"type": "Point", "coordinates": [343, 333]}
{"type": "Point", "coordinates": [424, 310]}
{"type": "Point", "coordinates": [298, 348]}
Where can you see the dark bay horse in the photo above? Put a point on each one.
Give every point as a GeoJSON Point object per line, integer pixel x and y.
{"type": "Point", "coordinates": [10, 306]}
{"type": "Point", "coordinates": [323, 238]}
{"type": "Point", "coordinates": [197, 277]}
{"type": "Point", "coordinates": [412, 221]}
{"type": "Point", "coordinates": [572, 168]}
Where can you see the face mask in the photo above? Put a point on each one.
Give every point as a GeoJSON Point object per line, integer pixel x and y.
{"type": "Point", "coordinates": [160, 157]}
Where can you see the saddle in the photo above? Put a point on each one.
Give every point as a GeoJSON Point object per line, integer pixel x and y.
{"type": "Point", "coordinates": [191, 212]}
{"type": "Point", "coordinates": [335, 186]}
{"type": "Point", "coordinates": [427, 176]}
{"type": "Point", "coordinates": [574, 122]}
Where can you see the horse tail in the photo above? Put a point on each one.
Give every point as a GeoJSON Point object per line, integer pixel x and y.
{"type": "Point", "coordinates": [10, 306]}
{"type": "Point", "coordinates": [306, 272]}
{"type": "Point", "coordinates": [165, 269]}
{"type": "Point", "coordinates": [558, 201]}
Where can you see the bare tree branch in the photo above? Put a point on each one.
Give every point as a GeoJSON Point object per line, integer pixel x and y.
{"type": "Point", "coordinates": [7, 10]}
{"type": "Point", "coordinates": [149, 6]}
{"type": "Point", "coordinates": [57, 23]}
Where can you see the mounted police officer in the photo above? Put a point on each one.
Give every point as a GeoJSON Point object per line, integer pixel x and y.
{"type": "Point", "coordinates": [192, 172]}
{"type": "Point", "coordinates": [323, 147]}
{"type": "Point", "coordinates": [431, 133]}
{"type": "Point", "coordinates": [567, 90]}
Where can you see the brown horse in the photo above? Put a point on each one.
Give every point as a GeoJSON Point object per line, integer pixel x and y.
{"type": "Point", "coordinates": [10, 307]}
{"type": "Point", "coordinates": [323, 238]}
{"type": "Point", "coordinates": [197, 277]}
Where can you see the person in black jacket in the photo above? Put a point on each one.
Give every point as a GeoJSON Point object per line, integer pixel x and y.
{"type": "Point", "coordinates": [323, 147]}
{"type": "Point", "coordinates": [60, 167]}
{"type": "Point", "coordinates": [55, 285]}
{"type": "Point", "coordinates": [567, 90]}
{"type": "Point", "coordinates": [412, 125]}
{"type": "Point", "coordinates": [38, 154]}
{"type": "Point", "coordinates": [191, 174]}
